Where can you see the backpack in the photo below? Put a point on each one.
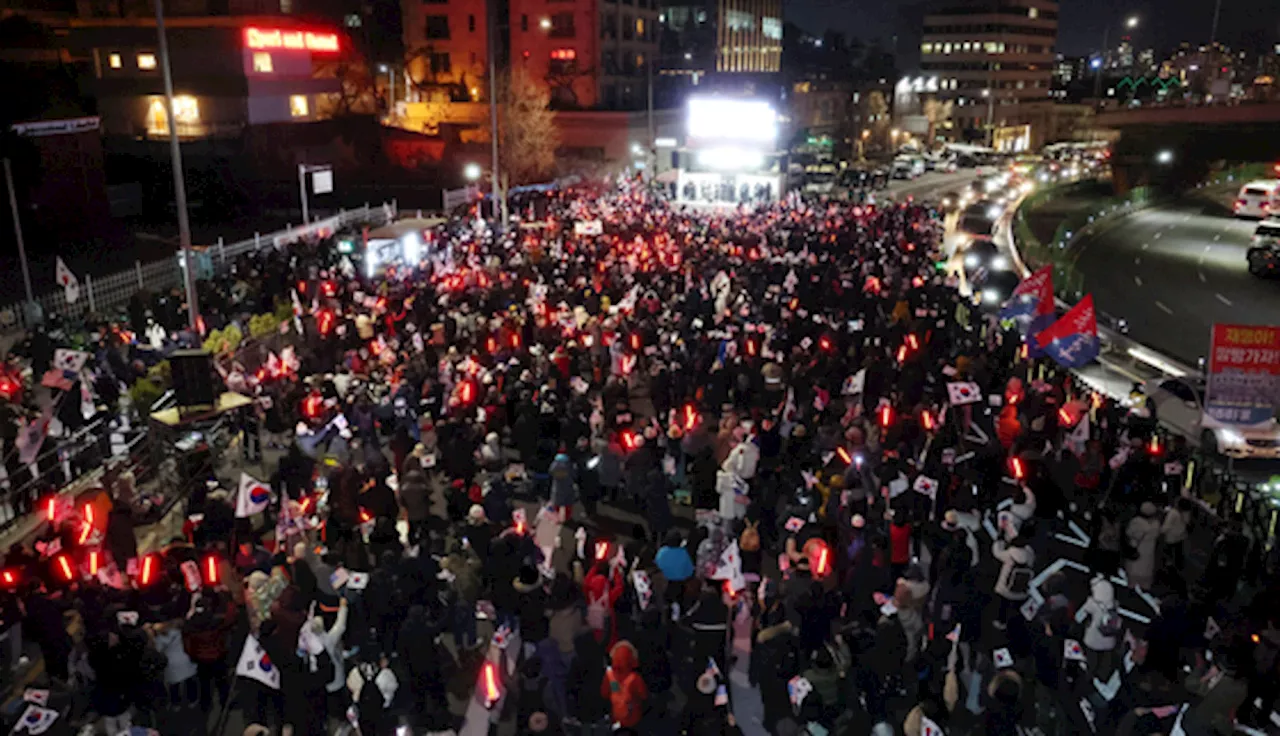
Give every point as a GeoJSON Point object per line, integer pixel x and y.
{"type": "Point", "coordinates": [1019, 581]}
{"type": "Point", "coordinates": [749, 540]}
{"type": "Point", "coordinates": [598, 612]}
{"type": "Point", "coordinates": [370, 705]}
{"type": "Point", "coordinates": [1110, 625]}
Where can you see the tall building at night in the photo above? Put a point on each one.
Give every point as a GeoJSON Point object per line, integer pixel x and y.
{"type": "Point", "coordinates": [995, 60]}
{"type": "Point", "coordinates": [590, 54]}
{"type": "Point", "coordinates": [728, 41]}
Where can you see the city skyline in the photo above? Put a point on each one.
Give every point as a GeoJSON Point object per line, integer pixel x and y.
{"type": "Point", "coordinates": [1245, 24]}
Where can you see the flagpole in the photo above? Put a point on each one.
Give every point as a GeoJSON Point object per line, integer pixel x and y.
{"type": "Point", "coordinates": [17, 230]}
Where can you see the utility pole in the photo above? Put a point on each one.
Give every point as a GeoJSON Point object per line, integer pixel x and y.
{"type": "Point", "coordinates": [1102, 61]}
{"type": "Point", "coordinates": [179, 182]}
{"type": "Point", "coordinates": [17, 230]}
{"type": "Point", "coordinates": [499, 196]}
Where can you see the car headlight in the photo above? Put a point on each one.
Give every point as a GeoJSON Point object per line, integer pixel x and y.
{"type": "Point", "coordinates": [972, 261]}
{"type": "Point", "coordinates": [1230, 437]}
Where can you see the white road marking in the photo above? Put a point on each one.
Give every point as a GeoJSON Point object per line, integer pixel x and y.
{"type": "Point", "coordinates": [1157, 235]}
{"type": "Point", "coordinates": [1137, 261]}
{"type": "Point", "coordinates": [1137, 280]}
{"type": "Point", "coordinates": [1202, 278]}
{"type": "Point", "coordinates": [1207, 248]}
{"type": "Point", "coordinates": [1216, 237]}
{"type": "Point", "coordinates": [1146, 245]}
{"type": "Point", "coordinates": [1223, 299]}
{"type": "Point", "coordinates": [1163, 308]}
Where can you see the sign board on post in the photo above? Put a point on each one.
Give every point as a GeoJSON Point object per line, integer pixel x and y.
{"type": "Point", "coordinates": [1244, 374]}
{"type": "Point", "coordinates": [322, 181]}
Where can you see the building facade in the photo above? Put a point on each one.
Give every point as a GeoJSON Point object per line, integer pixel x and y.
{"type": "Point", "coordinates": [228, 73]}
{"type": "Point", "coordinates": [589, 53]}
{"type": "Point", "coordinates": [991, 57]}
{"type": "Point", "coordinates": [727, 43]}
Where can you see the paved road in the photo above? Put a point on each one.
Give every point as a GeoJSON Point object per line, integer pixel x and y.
{"type": "Point", "coordinates": [1173, 271]}
{"type": "Point", "coordinates": [931, 184]}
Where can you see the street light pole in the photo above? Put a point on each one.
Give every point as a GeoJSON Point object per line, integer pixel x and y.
{"type": "Point", "coordinates": [499, 196]}
{"type": "Point", "coordinates": [17, 229]}
{"type": "Point", "coordinates": [302, 188]}
{"type": "Point", "coordinates": [179, 182]}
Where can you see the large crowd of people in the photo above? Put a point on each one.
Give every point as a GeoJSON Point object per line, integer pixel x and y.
{"type": "Point", "coordinates": [760, 470]}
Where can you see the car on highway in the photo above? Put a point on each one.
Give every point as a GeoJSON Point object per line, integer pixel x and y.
{"type": "Point", "coordinates": [980, 258]}
{"type": "Point", "coordinates": [979, 218]}
{"type": "Point", "coordinates": [996, 289]}
{"type": "Point", "coordinates": [1179, 404]}
{"type": "Point", "coordinates": [1259, 199]}
{"type": "Point", "coordinates": [1264, 249]}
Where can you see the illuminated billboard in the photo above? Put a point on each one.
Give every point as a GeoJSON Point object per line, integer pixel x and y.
{"type": "Point", "coordinates": [289, 39]}
{"type": "Point", "coordinates": [745, 122]}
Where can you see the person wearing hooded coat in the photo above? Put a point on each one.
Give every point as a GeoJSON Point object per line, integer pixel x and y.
{"type": "Point", "coordinates": [415, 499]}
{"type": "Point", "coordinates": [623, 686]}
{"type": "Point", "coordinates": [1142, 532]}
{"type": "Point", "coordinates": [1103, 627]}
{"type": "Point", "coordinates": [564, 491]}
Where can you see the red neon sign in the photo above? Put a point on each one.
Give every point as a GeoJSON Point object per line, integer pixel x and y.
{"type": "Point", "coordinates": [279, 38]}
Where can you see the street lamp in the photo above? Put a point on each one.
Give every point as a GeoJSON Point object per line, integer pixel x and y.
{"type": "Point", "coordinates": [1129, 23]}
{"type": "Point", "coordinates": [545, 24]}
{"type": "Point", "coordinates": [1164, 157]}
{"type": "Point", "coordinates": [472, 171]}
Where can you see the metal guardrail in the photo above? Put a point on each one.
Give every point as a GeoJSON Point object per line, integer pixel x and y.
{"type": "Point", "coordinates": [114, 291]}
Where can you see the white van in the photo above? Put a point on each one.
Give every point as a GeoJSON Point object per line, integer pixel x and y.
{"type": "Point", "coordinates": [1258, 199]}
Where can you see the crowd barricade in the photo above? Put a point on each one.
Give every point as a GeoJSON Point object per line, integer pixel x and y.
{"type": "Point", "coordinates": [102, 294]}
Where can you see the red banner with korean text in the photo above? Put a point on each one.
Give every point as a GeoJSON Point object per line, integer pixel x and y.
{"type": "Point", "coordinates": [1244, 374]}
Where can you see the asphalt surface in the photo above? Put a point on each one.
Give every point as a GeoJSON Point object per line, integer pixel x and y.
{"type": "Point", "coordinates": [1173, 272]}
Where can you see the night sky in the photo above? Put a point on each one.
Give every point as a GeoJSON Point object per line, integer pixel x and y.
{"type": "Point", "coordinates": [1244, 23]}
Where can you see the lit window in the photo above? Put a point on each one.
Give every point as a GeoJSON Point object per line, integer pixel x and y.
{"type": "Point", "coordinates": [113, 61]}
{"type": "Point", "coordinates": [640, 27]}
{"type": "Point", "coordinates": [146, 61]}
{"type": "Point", "coordinates": [298, 106]}
{"type": "Point", "coordinates": [946, 48]}
{"type": "Point", "coordinates": [1033, 12]}
{"type": "Point", "coordinates": [926, 48]}
{"type": "Point", "coordinates": [185, 109]}
{"type": "Point", "coordinates": [262, 62]}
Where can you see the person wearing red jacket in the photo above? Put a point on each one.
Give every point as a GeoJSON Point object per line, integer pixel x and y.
{"type": "Point", "coordinates": [623, 686]}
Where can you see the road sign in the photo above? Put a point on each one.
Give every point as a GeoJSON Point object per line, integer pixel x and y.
{"type": "Point", "coordinates": [1244, 374]}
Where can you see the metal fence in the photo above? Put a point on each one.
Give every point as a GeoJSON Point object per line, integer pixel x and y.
{"type": "Point", "coordinates": [113, 291]}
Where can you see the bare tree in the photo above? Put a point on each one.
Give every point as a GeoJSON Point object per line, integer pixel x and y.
{"type": "Point", "coordinates": [526, 128]}
{"type": "Point", "coordinates": [936, 112]}
{"type": "Point", "coordinates": [356, 95]}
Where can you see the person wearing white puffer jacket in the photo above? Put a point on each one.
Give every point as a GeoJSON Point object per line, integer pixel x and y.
{"type": "Point", "coordinates": [1103, 627]}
